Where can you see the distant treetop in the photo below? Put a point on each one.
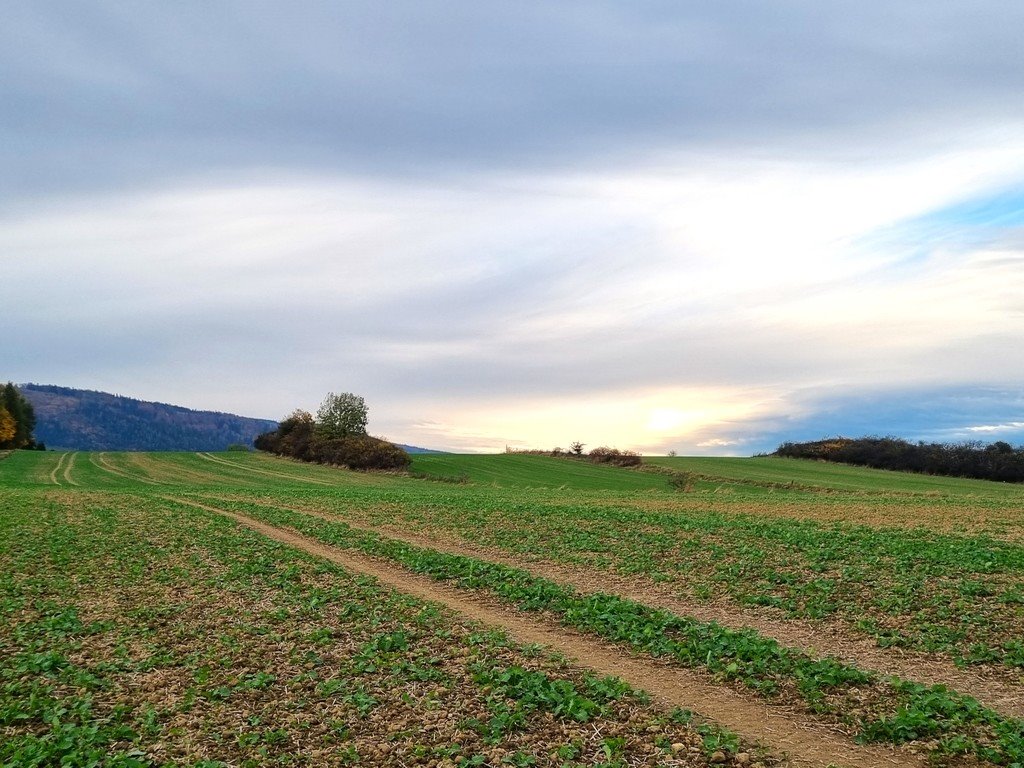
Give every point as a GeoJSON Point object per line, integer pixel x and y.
{"type": "Point", "coordinates": [341, 415]}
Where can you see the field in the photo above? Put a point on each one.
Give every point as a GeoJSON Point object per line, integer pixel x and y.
{"type": "Point", "coordinates": [236, 609]}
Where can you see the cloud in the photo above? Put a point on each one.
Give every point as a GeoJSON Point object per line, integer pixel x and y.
{"type": "Point", "coordinates": [1013, 426]}
{"type": "Point", "coordinates": [526, 296]}
{"type": "Point", "coordinates": [663, 226]}
{"type": "Point", "coordinates": [107, 95]}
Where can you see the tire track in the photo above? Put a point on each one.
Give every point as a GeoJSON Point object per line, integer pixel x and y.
{"type": "Point", "coordinates": [270, 472]}
{"type": "Point", "coordinates": [805, 742]}
{"type": "Point", "coordinates": [999, 695]}
{"type": "Point", "coordinates": [67, 469]}
{"type": "Point", "coordinates": [99, 461]}
{"type": "Point", "coordinates": [53, 474]}
{"type": "Point", "coordinates": [170, 472]}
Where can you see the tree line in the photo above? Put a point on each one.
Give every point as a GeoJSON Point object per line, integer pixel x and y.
{"type": "Point", "coordinates": [17, 420]}
{"type": "Point", "coordinates": [997, 461]}
{"type": "Point", "coordinates": [336, 436]}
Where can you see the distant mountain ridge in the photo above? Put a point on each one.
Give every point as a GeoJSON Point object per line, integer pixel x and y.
{"type": "Point", "coordinates": [86, 420]}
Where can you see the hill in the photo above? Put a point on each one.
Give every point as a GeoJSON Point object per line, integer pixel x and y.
{"type": "Point", "coordinates": [99, 421]}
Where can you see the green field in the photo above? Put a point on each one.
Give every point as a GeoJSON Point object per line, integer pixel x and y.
{"type": "Point", "coordinates": [773, 470]}
{"type": "Point", "coordinates": [511, 470]}
{"type": "Point", "coordinates": [142, 625]}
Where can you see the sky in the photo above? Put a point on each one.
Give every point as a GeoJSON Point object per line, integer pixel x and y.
{"type": "Point", "coordinates": [689, 226]}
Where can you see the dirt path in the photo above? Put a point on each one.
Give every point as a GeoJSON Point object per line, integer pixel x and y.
{"type": "Point", "coordinates": [53, 474]}
{"type": "Point", "coordinates": [998, 694]}
{"type": "Point", "coordinates": [225, 462]}
{"type": "Point", "coordinates": [67, 469]}
{"type": "Point", "coordinates": [805, 742]}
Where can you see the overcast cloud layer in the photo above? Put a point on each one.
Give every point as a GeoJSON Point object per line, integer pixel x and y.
{"type": "Point", "coordinates": [706, 227]}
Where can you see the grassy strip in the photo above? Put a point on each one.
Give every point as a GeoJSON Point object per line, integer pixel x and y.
{"type": "Point", "coordinates": [901, 711]}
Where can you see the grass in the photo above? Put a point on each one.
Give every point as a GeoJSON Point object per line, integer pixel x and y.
{"type": "Point", "coordinates": [778, 471]}
{"type": "Point", "coordinates": [510, 470]}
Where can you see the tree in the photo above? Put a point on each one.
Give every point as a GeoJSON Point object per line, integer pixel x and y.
{"type": "Point", "coordinates": [7, 426]}
{"type": "Point", "coordinates": [341, 415]}
{"type": "Point", "coordinates": [21, 412]}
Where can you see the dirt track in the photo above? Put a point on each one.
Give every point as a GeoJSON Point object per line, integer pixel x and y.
{"type": "Point", "coordinates": [804, 741]}
{"type": "Point", "coordinates": [998, 694]}
{"type": "Point", "coordinates": [56, 469]}
{"type": "Point", "coordinates": [271, 473]}
{"type": "Point", "coordinates": [99, 461]}
{"type": "Point", "coordinates": [67, 470]}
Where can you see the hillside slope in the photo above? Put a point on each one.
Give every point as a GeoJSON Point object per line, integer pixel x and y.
{"type": "Point", "coordinates": [99, 421]}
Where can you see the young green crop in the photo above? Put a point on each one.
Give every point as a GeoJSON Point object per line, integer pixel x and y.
{"type": "Point", "coordinates": [828, 687]}
{"type": "Point", "coordinates": [136, 633]}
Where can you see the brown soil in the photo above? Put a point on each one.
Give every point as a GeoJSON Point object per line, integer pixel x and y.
{"type": "Point", "coordinates": [829, 639]}
{"type": "Point", "coordinates": [805, 741]}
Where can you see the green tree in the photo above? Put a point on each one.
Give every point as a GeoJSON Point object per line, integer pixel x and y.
{"type": "Point", "coordinates": [24, 416]}
{"type": "Point", "coordinates": [341, 415]}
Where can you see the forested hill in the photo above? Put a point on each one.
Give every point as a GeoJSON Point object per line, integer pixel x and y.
{"type": "Point", "coordinates": [85, 420]}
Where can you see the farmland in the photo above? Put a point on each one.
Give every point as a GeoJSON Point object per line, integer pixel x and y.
{"type": "Point", "coordinates": [237, 609]}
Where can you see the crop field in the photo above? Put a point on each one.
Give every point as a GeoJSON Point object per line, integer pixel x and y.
{"type": "Point", "coordinates": [237, 609]}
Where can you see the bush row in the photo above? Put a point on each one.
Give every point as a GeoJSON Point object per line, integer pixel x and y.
{"type": "Point", "coordinates": [998, 461]}
{"type": "Point", "coordinates": [601, 455]}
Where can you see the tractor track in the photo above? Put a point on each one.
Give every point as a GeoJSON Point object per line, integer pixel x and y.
{"type": "Point", "coordinates": [996, 693]}
{"type": "Point", "coordinates": [56, 469]}
{"type": "Point", "coordinates": [805, 742]}
{"type": "Point", "coordinates": [269, 472]}
{"type": "Point", "coordinates": [100, 462]}
{"type": "Point", "coordinates": [67, 469]}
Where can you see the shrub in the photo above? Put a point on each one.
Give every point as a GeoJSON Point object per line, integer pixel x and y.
{"type": "Point", "coordinates": [358, 452]}
{"type": "Point", "coordinates": [605, 455]}
{"type": "Point", "coordinates": [682, 481]}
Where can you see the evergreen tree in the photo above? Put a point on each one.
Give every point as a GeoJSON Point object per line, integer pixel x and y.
{"type": "Point", "coordinates": [24, 416]}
